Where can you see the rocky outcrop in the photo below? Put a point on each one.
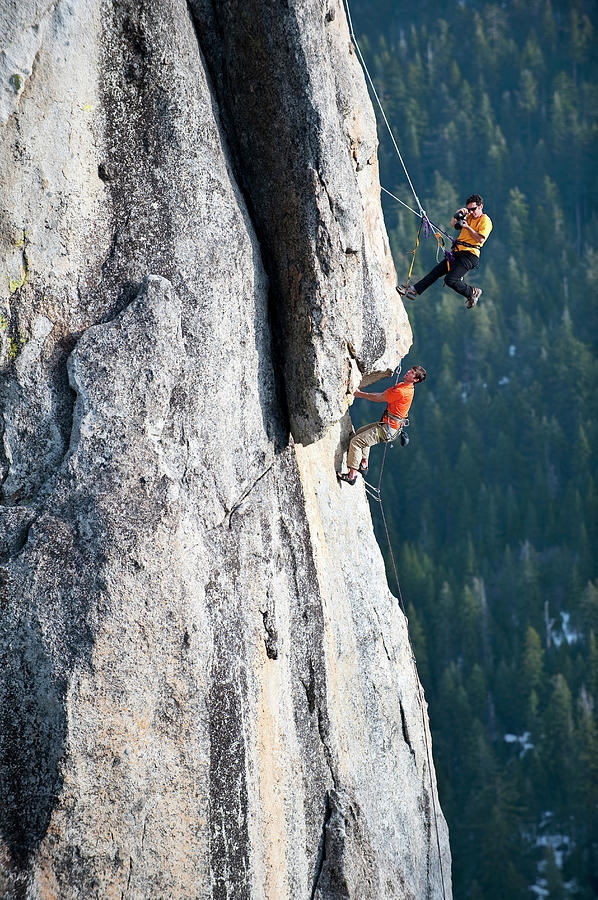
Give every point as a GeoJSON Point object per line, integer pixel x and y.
{"type": "Point", "coordinates": [303, 138]}
{"type": "Point", "coordinates": [207, 686]}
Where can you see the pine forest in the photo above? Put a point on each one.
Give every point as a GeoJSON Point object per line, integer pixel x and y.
{"type": "Point", "coordinates": [493, 506]}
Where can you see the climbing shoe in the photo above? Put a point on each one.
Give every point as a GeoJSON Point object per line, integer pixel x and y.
{"type": "Point", "coordinates": [363, 469]}
{"type": "Point", "coordinates": [343, 476]}
{"type": "Point", "coordinates": [407, 290]}
{"type": "Point", "coordinates": [472, 301]}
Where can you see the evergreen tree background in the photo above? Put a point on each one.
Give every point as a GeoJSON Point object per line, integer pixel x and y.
{"type": "Point", "coordinates": [493, 506]}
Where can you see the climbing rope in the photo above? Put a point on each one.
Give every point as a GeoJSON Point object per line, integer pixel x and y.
{"type": "Point", "coordinates": [427, 224]}
{"type": "Point", "coordinates": [398, 199]}
{"type": "Point", "coordinates": [375, 92]}
{"type": "Point", "coordinates": [375, 493]}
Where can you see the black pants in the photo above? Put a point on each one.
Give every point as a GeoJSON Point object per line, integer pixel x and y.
{"type": "Point", "coordinates": [463, 262]}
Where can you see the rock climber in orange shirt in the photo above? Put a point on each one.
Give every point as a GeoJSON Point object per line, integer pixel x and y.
{"type": "Point", "coordinates": [474, 227]}
{"type": "Point", "coordinates": [399, 400]}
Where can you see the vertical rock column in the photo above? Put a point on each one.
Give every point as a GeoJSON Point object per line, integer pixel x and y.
{"type": "Point", "coordinates": [303, 136]}
{"type": "Point", "coordinates": [200, 669]}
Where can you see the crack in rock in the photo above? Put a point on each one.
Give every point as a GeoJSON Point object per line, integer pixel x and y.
{"type": "Point", "coordinates": [271, 639]}
{"type": "Point", "coordinates": [346, 865]}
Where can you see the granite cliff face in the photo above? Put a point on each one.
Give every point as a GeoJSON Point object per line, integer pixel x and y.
{"type": "Point", "coordinates": [207, 688]}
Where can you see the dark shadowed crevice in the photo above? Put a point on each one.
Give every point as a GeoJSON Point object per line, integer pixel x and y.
{"type": "Point", "coordinates": [405, 729]}
{"type": "Point", "coordinates": [271, 638]}
{"type": "Point", "coordinates": [140, 141]}
{"type": "Point", "coordinates": [33, 718]}
{"type": "Point", "coordinates": [209, 39]}
{"type": "Point", "coordinates": [40, 450]}
{"type": "Point", "coordinates": [322, 846]}
{"type": "Point", "coordinates": [425, 808]}
{"type": "Point", "coordinates": [15, 524]}
{"type": "Point", "coordinates": [323, 731]}
{"type": "Point", "coordinates": [346, 864]}
{"type": "Point", "coordinates": [32, 744]}
{"type": "Point", "coordinates": [310, 690]}
{"type": "Point", "coordinates": [261, 79]}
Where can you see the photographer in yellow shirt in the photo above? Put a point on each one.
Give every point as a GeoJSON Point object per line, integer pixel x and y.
{"type": "Point", "coordinates": [475, 226]}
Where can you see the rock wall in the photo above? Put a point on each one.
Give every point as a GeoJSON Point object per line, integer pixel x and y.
{"type": "Point", "coordinates": [207, 689]}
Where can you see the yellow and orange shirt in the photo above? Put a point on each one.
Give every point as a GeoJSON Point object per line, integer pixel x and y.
{"type": "Point", "coordinates": [399, 400]}
{"type": "Point", "coordinates": [483, 226]}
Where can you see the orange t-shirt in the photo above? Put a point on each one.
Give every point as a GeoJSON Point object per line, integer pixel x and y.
{"type": "Point", "coordinates": [399, 400]}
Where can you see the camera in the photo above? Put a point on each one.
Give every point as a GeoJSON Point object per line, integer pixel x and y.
{"type": "Point", "coordinates": [460, 219]}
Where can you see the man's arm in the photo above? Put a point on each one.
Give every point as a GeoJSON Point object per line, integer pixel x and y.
{"type": "Point", "coordinates": [479, 238]}
{"type": "Point", "coordinates": [377, 398]}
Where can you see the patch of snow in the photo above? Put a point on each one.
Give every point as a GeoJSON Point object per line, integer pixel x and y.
{"type": "Point", "coordinates": [538, 890]}
{"type": "Point", "coordinates": [561, 846]}
{"type": "Point", "coordinates": [571, 636]}
{"type": "Point", "coordinates": [522, 739]}
{"type": "Point", "coordinates": [512, 350]}
{"type": "Point", "coordinates": [546, 817]}
{"type": "Point", "coordinates": [566, 633]}
{"type": "Point", "coordinates": [504, 380]}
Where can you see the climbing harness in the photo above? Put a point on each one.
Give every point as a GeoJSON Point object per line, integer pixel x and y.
{"type": "Point", "coordinates": [398, 199]}
{"type": "Point", "coordinates": [375, 493]}
{"type": "Point", "coordinates": [388, 421]}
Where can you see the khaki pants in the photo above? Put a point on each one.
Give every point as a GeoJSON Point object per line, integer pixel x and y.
{"type": "Point", "coordinates": [363, 439]}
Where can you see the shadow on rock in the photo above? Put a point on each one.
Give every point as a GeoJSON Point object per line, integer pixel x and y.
{"type": "Point", "coordinates": [33, 728]}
